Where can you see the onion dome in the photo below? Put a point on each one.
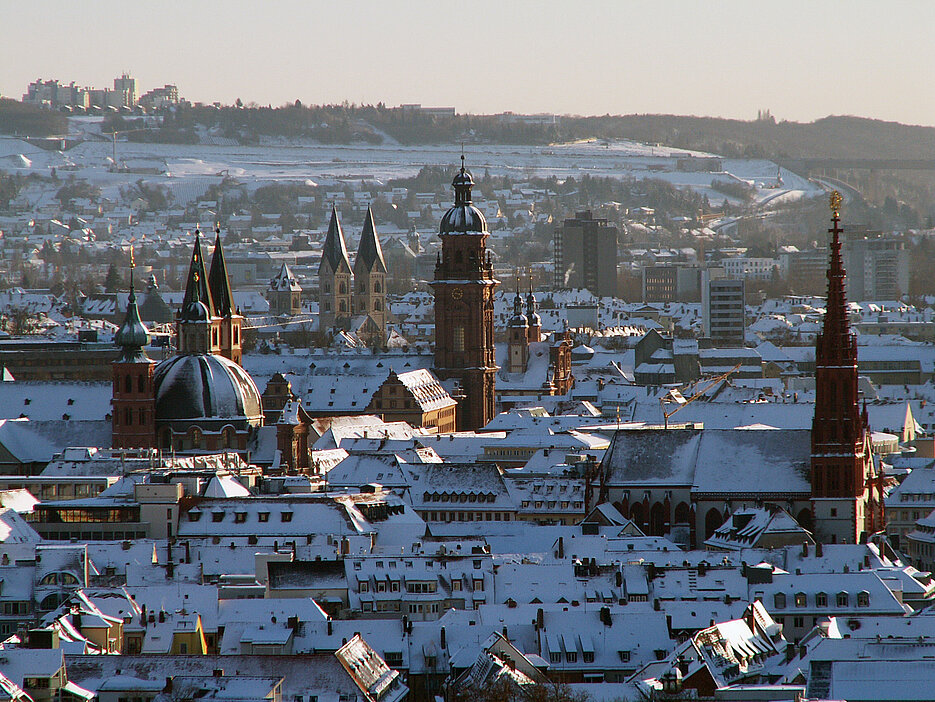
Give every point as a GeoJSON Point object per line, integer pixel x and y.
{"type": "Point", "coordinates": [532, 310]}
{"type": "Point", "coordinates": [133, 334]}
{"type": "Point", "coordinates": [518, 319]}
{"type": "Point", "coordinates": [463, 217]}
{"type": "Point", "coordinates": [204, 386]}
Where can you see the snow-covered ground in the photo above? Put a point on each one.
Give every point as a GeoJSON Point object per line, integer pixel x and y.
{"type": "Point", "coordinates": [169, 164]}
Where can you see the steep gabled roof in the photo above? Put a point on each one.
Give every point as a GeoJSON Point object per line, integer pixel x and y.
{"type": "Point", "coordinates": [219, 281]}
{"type": "Point", "coordinates": [335, 252]}
{"type": "Point", "coordinates": [196, 289]}
{"type": "Point", "coordinates": [369, 253]}
{"type": "Point", "coordinates": [285, 280]}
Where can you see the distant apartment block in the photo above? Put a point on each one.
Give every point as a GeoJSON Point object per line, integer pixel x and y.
{"type": "Point", "coordinates": [672, 283]}
{"type": "Point", "coordinates": [585, 255]}
{"type": "Point", "coordinates": [749, 268]}
{"type": "Point", "coordinates": [805, 271]}
{"type": "Point", "coordinates": [722, 308]}
{"type": "Point", "coordinates": [125, 94]}
{"type": "Point", "coordinates": [877, 267]}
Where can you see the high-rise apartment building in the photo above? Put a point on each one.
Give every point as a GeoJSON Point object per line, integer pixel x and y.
{"type": "Point", "coordinates": [722, 308]}
{"type": "Point", "coordinates": [585, 255]}
{"type": "Point", "coordinates": [877, 267]}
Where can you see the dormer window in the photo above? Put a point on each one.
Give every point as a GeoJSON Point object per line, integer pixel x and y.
{"type": "Point", "coordinates": [285, 516]}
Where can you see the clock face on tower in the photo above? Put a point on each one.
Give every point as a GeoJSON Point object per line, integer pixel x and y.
{"type": "Point", "coordinates": [457, 293]}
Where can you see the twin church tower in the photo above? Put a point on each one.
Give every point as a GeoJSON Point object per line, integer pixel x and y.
{"type": "Point", "coordinates": [464, 287]}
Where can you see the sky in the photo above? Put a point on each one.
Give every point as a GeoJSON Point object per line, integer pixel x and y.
{"type": "Point", "coordinates": [802, 60]}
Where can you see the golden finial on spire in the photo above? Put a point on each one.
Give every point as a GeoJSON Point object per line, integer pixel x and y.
{"type": "Point", "coordinates": [836, 201]}
{"type": "Point", "coordinates": [132, 258]}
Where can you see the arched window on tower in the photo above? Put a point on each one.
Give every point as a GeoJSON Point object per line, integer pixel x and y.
{"type": "Point", "coordinates": [458, 339]}
{"type": "Point", "coordinates": [196, 438]}
{"type": "Point", "coordinates": [343, 288]}
{"type": "Point", "coordinates": [377, 305]}
{"type": "Point", "coordinates": [377, 287]}
{"type": "Point", "coordinates": [343, 306]}
{"type": "Point", "coordinates": [127, 416]}
{"type": "Point", "coordinates": [127, 383]}
{"type": "Point", "coordinates": [140, 383]}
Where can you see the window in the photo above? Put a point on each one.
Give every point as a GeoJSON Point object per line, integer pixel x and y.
{"type": "Point", "coordinates": [194, 516]}
{"type": "Point", "coordinates": [555, 657]}
{"type": "Point", "coordinates": [800, 599]}
{"type": "Point", "coordinates": [589, 656]}
{"type": "Point", "coordinates": [459, 339]}
{"type": "Point", "coordinates": [285, 516]}
{"type": "Point", "coordinates": [217, 516]}
{"type": "Point", "coordinates": [798, 622]}
{"type": "Point", "coordinates": [779, 600]}
{"type": "Point", "coordinates": [456, 585]}
{"type": "Point", "coordinates": [821, 599]}
{"type": "Point", "coordinates": [571, 656]}
{"type": "Point", "coordinates": [240, 517]}
{"type": "Point", "coordinates": [263, 516]}
{"type": "Point", "coordinates": [364, 586]}
{"type": "Point", "coordinates": [842, 599]}
{"type": "Point", "coordinates": [624, 656]}
{"type": "Point", "coordinates": [863, 599]}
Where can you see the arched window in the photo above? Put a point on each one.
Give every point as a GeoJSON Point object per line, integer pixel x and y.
{"type": "Point", "coordinates": [127, 416]}
{"type": "Point", "coordinates": [140, 383]}
{"type": "Point", "coordinates": [227, 437]}
{"type": "Point", "coordinates": [127, 383]}
{"type": "Point", "coordinates": [196, 438]}
{"type": "Point", "coordinates": [361, 287]}
{"type": "Point", "coordinates": [142, 416]}
{"type": "Point", "coordinates": [458, 337]}
{"type": "Point", "coordinates": [377, 287]}
{"type": "Point", "coordinates": [165, 438]}
{"type": "Point", "coordinates": [377, 305]}
{"type": "Point", "coordinates": [343, 288]}
{"type": "Point", "coordinates": [343, 306]}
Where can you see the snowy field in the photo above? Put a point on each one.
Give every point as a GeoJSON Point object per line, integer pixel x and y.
{"type": "Point", "coordinates": [189, 169]}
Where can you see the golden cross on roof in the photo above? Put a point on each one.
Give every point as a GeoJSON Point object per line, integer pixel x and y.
{"type": "Point", "coordinates": [836, 201]}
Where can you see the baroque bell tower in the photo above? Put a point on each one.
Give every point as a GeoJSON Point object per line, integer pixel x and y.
{"type": "Point", "coordinates": [847, 498]}
{"type": "Point", "coordinates": [464, 322]}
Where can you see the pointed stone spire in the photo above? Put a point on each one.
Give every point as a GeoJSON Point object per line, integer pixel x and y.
{"type": "Point", "coordinates": [369, 252]}
{"type": "Point", "coordinates": [836, 345]}
{"type": "Point", "coordinates": [335, 250]}
{"type": "Point", "coordinates": [197, 304]}
{"type": "Point", "coordinates": [219, 282]}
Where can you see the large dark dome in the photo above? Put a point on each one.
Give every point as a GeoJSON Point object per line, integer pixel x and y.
{"type": "Point", "coordinates": [205, 386]}
{"type": "Point", "coordinates": [463, 219]}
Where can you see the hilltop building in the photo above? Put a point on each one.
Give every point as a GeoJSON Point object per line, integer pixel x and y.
{"type": "Point", "coordinates": [464, 307]}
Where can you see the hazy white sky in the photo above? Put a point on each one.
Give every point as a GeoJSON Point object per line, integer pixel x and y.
{"type": "Point", "coordinates": [802, 59]}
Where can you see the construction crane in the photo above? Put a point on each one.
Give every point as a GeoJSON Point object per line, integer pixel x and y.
{"type": "Point", "coordinates": [125, 131]}
{"type": "Point", "coordinates": [675, 396]}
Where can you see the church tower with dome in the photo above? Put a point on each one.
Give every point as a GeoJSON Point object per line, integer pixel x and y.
{"type": "Point", "coordinates": [464, 287]}
{"type": "Point", "coordinates": [200, 400]}
{"type": "Point", "coordinates": [133, 404]}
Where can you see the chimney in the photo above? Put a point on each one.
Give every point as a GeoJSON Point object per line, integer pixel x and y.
{"type": "Point", "coordinates": [330, 627]}
{"type": "Point", "coordinates": [818, 550]}
{"type": "Point", "coordinates": [805, 549]}
{"type": "Point", "coordinates": [443, 642]}
{"type": "Point", "coordinates": [168, 687]}
{"type": "Point", "coordinates": [162, 616]}
{"type": "Point", "coordinates": [561, 546]}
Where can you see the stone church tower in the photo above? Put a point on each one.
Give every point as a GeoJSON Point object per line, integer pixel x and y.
{"type": "Point", "coordinates": [847, 489]}
{"type": "Point", "coordinates": [464, 322]}
{"type": "Point", "coordinates": [334, 279]}
{"type": "Point", "coordinates": [370, 277]}
{"type": "Point", "coordinates": [230, 320]}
